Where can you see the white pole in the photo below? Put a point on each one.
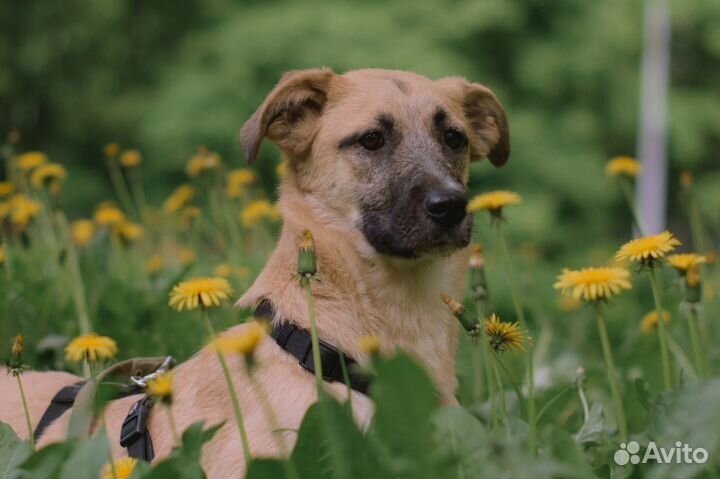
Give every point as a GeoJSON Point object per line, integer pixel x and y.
{"type": "Point", "coordinates": [651, 193]}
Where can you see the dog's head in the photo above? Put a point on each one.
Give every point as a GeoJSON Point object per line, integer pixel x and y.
{"type": "Point", "coordinates": [385, 152]}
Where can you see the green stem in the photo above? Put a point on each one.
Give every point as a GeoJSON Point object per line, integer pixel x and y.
{"type": "Point", "coordinates": [696, 343]}
{"type": "Point", "coordinates": [531, 412]}
{"type": "Point", "coordinates": [626, 187]}
{"type": "Point", "coordinates": [289, 465]}
{"type": "Point", "coordinates": [480, 365]}
{"type": "Point", "coordinates": [78, 287]}
{"type": "Point", "coordinates": [583, 400]}
{"type": "Point", "coordinates": [26, 411]}
{"type": "Point", "coordinates": [662, 334]}
{"type": "Point", "coordinates": [107, 438]}
{"type": "Point", "coordinates": [121, 190]}
{"type": "Point", "coordinates": [317, 362]}
{"type": "Point", "coordinates": [233, 393]}
{"type": "Point", "coordinates": [553, 400]}
{"type": "Point", "coordinates": [173, 427]}
{"type": "Point", "coordinates": [138, 193]}
{"type": "Point", "coordinates": [346, 380]}
{"type": "Point", "coordinates": [501, 390]}
{"type": "Point", "coordinates": [612, 378]}
{"type": "Point", "coordinates": [513, 383]}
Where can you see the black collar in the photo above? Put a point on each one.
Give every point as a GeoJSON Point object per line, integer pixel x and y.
{"type": "Point", "coordinates": [298, 343]}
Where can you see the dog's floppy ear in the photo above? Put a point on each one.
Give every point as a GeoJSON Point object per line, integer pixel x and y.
{"type": "Point", "coordinates": [288, 116]}
{"type": "Point", "coordinates": [487, 119]}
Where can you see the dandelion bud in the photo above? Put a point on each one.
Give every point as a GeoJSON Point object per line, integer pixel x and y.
{"type": "Point", "coordinates": [478, 281]}
{"type": "Point", "coordinates": [15, 365]}
{"type": "Point", "coordinates": [369, 345]}
{"type": "Point", "coordinates": [307, 262]}
{"type": "Point", "coordinates": [466, 319]}
{"type": "Point", "coordinates": [111, 150]}
{"type": "Point", "coordinates": [686, 179]}
{"type": "Point", "coordinates": [693, 286]}
{"type": "Point", "coordinates": [14, 136]}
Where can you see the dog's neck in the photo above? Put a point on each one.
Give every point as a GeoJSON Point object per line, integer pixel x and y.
{"type": "Point", "coordinates": [360, 294]}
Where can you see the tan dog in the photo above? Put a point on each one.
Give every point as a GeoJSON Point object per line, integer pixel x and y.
{"type": "Point", "coordinates": [378, 166]}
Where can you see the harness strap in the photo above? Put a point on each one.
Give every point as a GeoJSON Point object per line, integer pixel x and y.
{"type": "Point", "coordinates": [134, 434]}
{"type": "Point", "coordinates": [298, 343]}
{"type": "Point", "coordinates": [61, 402]}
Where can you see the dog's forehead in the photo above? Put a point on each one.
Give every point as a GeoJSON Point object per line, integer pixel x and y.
{"type": "Point", "coordinates": [361, 95]}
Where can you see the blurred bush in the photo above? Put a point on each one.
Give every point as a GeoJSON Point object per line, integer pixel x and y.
{"type": "Point", "coordinates": [165, 79]}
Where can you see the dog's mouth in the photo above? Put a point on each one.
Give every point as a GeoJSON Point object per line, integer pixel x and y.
{"type": "Point", "coordinates": [414, 236]}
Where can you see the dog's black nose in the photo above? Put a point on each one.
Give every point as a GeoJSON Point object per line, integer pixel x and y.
{"type": "Point", "coordinates": [446, 207]}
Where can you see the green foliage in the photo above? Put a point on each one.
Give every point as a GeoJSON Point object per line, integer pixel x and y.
{"type": "Point", "coordinates": [13, 452]}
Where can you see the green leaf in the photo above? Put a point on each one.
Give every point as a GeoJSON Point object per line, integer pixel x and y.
{"type": "Point", "coordinates": [331, 446]}
{"type": "Point", "coordinates": [266, 468]}
{"type": "Point", "coordinates": [642, 391]}
{"type": "Point", "coordinates": [592, 432]}
{"type": "Point", "coordinates": [689, 416]}
{"type": "Point", "coordinates": [463, 439]}
{"type": "Point", "coordinates": [13, 452]}
{"type": "Point", "coordinates": [405, 400]}
{"type": "Point", "coordinates": [87, 458]}
{"type": "Point", "coordinates": [565, 451]}
{"type": "Point", "coordinates": [46, 462]}
{"type": "Point", "coordinates": [184, 462]}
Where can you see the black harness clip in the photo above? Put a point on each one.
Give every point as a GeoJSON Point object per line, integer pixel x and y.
{"type": "Point", "coordinates": [134, 429]}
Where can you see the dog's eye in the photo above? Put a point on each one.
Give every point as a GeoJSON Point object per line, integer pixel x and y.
{"type": "Point", "coordinates": [372, 141]}
{"type": "Point", "coordinates": [454, 139]}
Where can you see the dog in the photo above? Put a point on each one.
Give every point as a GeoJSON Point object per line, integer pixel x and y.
{"type": "Point", "coordinates": [378, 164]}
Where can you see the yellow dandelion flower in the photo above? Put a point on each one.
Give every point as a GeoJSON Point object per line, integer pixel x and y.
{"type": "Point", "coordinates": [686, 261]}
{"type": "Point", "coordinates": [154, 264]}
{"type": "Point", "coordinates": [4, 210]}
{"type": "Point", "coordinates": [693, 277]}
{"type": "Point", "coordinates": [204, 161]}
{"type": "Point", "coordinates": [244, 342]}
{"type": "Point", "coordinates": [238, 180]}
{"type": "Point", "coordinates": [258, 210]}
{"type": "Point", "coordinates": [30, 160]}
{"type": "Point", "coordinates": [91, 347]}
{"type": "Point", "coordinates": [568, 304]}
{"type": "Point", "coordinates": [282, 169]}
{"type": "Point", "coordinates": [369, 345]}
{"type": "Point", "coordinates": [179, 198]}
{"type": "Point", "coordinates": [107, 214]}
{"type": "Point", "coordinates": [200, 292]}
{"type": "Point", "coordinates": [593, 284]}
{"type": "Point", "coordinates": [23, 210]}
{"type": "Point", "coordinates": [111, 150]}
{"type": "Point", "coordinates": [46, 174]}
{"type": "Point", "coordinates": [504, 336]}
{"type": "Point", "coordinates": [649, 321]}
{"type": "Point", "coordinates": [82, 232]}
{"type": "Point", "coordinates": [128, 232]}
{"type": "Point", "coordinates": [686, 179]}
{"type": "Point", "coordinates": [6, 189]}
{"type": "Point", "coordinates": [161, 387]}
{"type": "Point", "coordinates": [647, 249]}
{"type": "Point", "coordinates": [14, 136]}
{"type": "Point", "coordinates": [130, 159]}
{"type": "Point", "coordinates": [223, 270]}
{"type": "Point", "coordinates": [2, 255]}
{"type": "Point", "coordinates": [242, 272]}
{"type": "Point", "coordinates": [493, 201]}
{"type": "Point", "coordinates": [185, 256]}
{"type": "Point", "coordinates": [623, 166]}
{"type": "Point", "coordinates": [188, 216]}
{"type": "Point", "coordinates": [123, 469]}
